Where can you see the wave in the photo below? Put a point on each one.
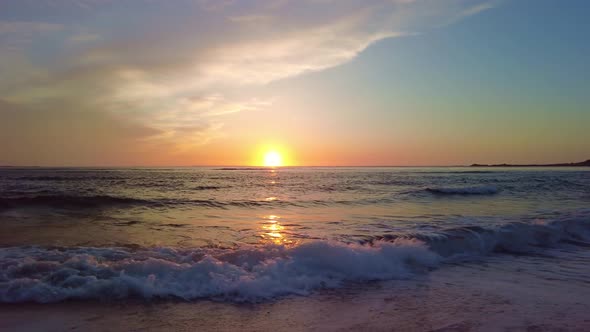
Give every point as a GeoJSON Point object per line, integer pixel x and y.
{"type": "Point", "coordinates": [50, 199]}
{"type": "Point", "coordinates": [243, 169]}
{"type": "Point", "coordinates": [452, 171]}
{"type": "Point", "coordinates": [514, 237]}
{"type": "Point", "coordinates": [69, 178]}
{"type": "Point", "coordinates": [67, 201]}
{"type": "Point", "coordinates": [252, 274]}
{"type": "Point", "coordinates": [208, 187]}
{"type": "Point", "coordinates": [476, 190]}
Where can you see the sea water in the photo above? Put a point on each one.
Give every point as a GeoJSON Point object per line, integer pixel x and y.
{"type": "Point", "coordinates": [255, 234]}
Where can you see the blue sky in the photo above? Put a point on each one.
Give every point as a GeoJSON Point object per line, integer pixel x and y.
{"type": "Point", "coordinates": [397, 82]}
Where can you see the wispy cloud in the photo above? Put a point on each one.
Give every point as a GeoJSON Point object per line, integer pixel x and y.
{"type": "Point", "coordinates": [18, 35]}
{"type": "Point", "coordinates": [477, 9]}
{"type": "Point", "coordinates": [84, 37]}
{"type": "Point", "coordinates": [292, 52]}
{"type": "Point", "coordinates": [27, 28]}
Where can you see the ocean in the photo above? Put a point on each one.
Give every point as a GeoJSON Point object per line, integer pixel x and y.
{"type": "Point", "coordinates": [260, 235]}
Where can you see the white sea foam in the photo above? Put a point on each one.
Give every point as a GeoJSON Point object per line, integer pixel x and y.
{"type": "Point", "coordinates": [250, 274]}
{"type": "Point", "coordinates": [34, 274]}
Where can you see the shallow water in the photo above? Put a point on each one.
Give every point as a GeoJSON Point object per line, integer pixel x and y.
{"type": "Point", "coordinates": [250, 234]}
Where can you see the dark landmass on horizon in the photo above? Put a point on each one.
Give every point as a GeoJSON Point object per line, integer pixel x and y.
{"type": "Point", "coordinates": [582, 163]}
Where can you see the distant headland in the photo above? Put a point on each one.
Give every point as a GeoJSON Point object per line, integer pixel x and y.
{"type": "Point", "coordinates": [583, 163]}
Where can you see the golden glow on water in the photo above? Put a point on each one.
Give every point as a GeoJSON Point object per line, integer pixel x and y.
{"type": "Point", "coordinates": [273, 231]}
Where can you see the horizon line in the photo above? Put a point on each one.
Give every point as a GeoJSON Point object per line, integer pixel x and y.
{"type": "Point", "coordinates": [234, 166]}
{"type": "Point", "coordinates": [286, 166]}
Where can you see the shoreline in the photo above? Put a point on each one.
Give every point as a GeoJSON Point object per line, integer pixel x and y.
{"type": "Point", "coordinates": [490, 295]}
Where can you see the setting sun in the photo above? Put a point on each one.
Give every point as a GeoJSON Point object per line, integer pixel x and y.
{"type": "Point", "coordinates": [273, 154]}
{"type": "Point", "coordinates": [272, 159]}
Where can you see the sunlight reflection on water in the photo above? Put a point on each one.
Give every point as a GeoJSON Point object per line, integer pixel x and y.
{"type": "Point", "coordinates": [273, 231]}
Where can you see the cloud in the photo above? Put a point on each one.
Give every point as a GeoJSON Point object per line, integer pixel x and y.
{"type": "Point", "coordinates": [309, 49]}
{"type": "Point", "coordinates": [476, 9]}
{"type": "Point", "coordinates": [19, 27]}
{"type": "Point", "coordinates": [215, 5]}
{"type": "Point", "coordinates": [170, 71]}
{"type": "Point", "coordinates": [249, 19]}
{"type": "Point", "coordinates": [59, 134]}
{"type": "Point", "coordinates": [84, 37]}
{"type": "Point", "coordinates": [473, 10]}
{"type": "Point", "coordinates": [18, 35]}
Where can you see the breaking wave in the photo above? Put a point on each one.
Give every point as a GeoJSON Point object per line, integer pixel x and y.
{"type": "Point", "coordinates": [515, 237]}
{"type": "Point", "coordinates": [251, 273]}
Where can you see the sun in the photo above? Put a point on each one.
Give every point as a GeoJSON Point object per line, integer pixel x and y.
{"type": "Point", "coordinates": [272, 159]}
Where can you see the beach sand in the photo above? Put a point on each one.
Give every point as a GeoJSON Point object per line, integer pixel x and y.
{"type": "Point", "coordinates": [517, 294]}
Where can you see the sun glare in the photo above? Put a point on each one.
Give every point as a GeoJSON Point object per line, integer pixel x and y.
{"type": "Point", "coordinates": [272, 159]}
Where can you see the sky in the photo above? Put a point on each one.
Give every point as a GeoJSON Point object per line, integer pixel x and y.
{"type": "Point", "coordinates": [321, 82]}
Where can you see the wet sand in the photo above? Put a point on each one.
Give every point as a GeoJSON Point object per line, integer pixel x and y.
{"type": "Point", "coordinates": [523, 293]}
